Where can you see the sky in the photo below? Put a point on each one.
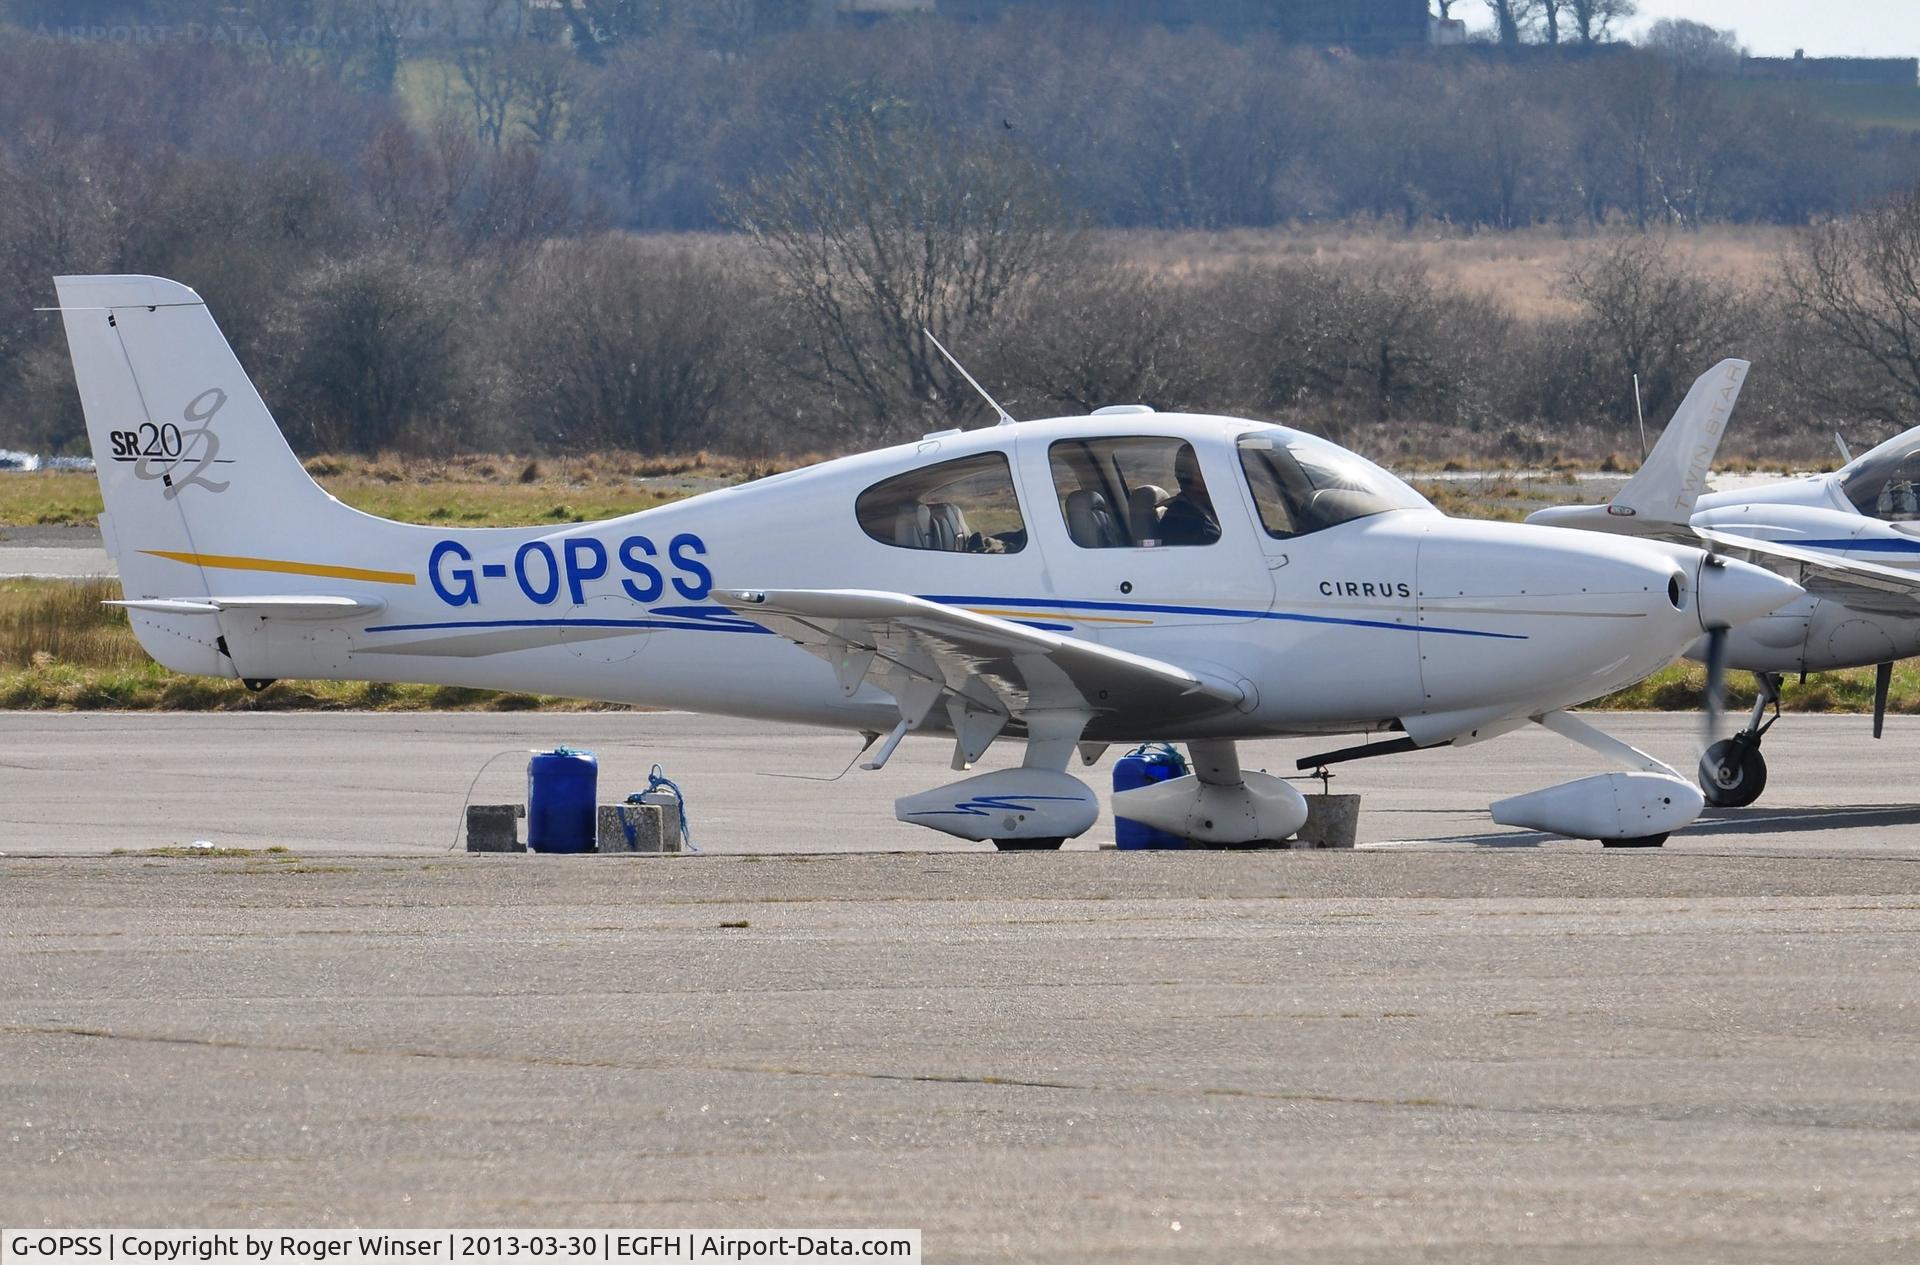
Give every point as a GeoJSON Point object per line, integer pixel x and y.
{"type": "Point", "coordinates": [1774, 28]}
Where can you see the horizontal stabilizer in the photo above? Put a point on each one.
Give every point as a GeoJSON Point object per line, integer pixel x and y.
{"type": "Point", "coordinates": [274, 606]}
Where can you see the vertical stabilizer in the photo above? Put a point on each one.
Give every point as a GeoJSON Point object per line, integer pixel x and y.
{"type": "Point", "coordinates": [1670, 481]}
{"type": "Point", "coordinates": [203, 496]}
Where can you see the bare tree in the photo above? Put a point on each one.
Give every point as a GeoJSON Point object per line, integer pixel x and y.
{"type": "Point", "coordinates": [417, 185]}
{"type": "Point", "coordinates": [1695, 45]}
{"type": "Point", "coordinates": [1593, 20]}
{"type": "Point", "coordinates": [1856, 284]}
{"type": "Point", "coordinates": [882, 230]}
{"type": "Point", "coordinates": [654, 106]}
{"type": "Point", "coordinates": [379, 26]}
{"type": "Point", "coordinates": [1649, 315]}
{"type": "Point", "coordinates": [1511, 19]}
{"type": "Point", "coordinates": [1550, 19]}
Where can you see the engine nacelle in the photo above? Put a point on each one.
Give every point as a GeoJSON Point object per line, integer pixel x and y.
{"type": "Point", "coordinates": [1606, 806]}
{"type": "Point", "coordinates": [1260, 808]}
{"type": "Point", "coordinates": [1006, 804]}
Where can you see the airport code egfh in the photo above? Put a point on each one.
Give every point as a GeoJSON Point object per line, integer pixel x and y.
{"type": "Point", "coordinates": [292, 1247]}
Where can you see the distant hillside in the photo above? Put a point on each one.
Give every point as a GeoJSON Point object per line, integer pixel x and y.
{"type": "Point", "coordinates": [1895, 106]}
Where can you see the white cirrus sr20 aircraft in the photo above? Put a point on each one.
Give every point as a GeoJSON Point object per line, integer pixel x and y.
{"type": "Point", "coordinates": [1073, 583]}
{"type": "Point", "coordinates": [1850, 537]}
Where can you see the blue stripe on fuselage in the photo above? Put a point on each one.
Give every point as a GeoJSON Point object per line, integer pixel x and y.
{"type": "Point", "coordinates": [1219, 611]}
{"type": "Point", "coordinates": [1856, 546]}
{"type": "Point", "coordinates": [719, 619]}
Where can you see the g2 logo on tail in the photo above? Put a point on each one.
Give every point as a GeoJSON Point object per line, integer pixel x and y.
{"type": "Point", "coordinates": [159, 450]}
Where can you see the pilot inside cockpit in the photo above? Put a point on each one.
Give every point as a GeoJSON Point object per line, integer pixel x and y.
{"type": "Point", "coordinates": [1885, 485]}
{"type": "Point", "coordinates": [1897, 502]}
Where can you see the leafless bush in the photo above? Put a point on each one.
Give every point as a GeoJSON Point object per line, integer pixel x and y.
{"type": "Point", "coordinates": [1647, 315]}
{"type": "Point", "coordinates": [369, 356]}
{"type": "Point", "coordinates": [618, 342]}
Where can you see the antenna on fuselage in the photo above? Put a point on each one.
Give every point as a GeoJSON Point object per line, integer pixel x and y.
{"type": "Point", "coordinates": [1006, 418]}
{"type": "Point", "coordinates": [1639, 415]}
{"type": "Point", "coordinates": [1846, 453]}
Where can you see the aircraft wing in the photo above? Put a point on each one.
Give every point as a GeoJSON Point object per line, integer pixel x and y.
{"type": "Point", "coordinates": [1821, 573]}
{"type": "Point", "coordinates": [926, 652]}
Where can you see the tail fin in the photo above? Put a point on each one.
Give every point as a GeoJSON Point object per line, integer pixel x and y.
{"type": "Point", "coordinates": [1660, 497]}
{"type": "Point", "coordinates": [204, 499]}
{"type": "Point", "coordinates": [1670, 481]}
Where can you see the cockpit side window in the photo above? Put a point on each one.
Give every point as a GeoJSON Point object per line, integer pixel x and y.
{"type": "Point", "coordinates": [1886, 487]}
{"type": "Point", "coordinates": [1301, 487]}
{"type": "Point", "coordinates": [967, 505]}
{"type": "Point", "coordinates": [1132, 491]}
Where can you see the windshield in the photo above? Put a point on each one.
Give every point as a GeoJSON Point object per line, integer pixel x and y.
{"type": "Point", "coordinates": [1883, 482]}
{"type": "Point", "coordinates": [1301, 484]}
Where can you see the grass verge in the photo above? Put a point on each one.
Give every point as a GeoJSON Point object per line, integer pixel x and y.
{"type": "Point", "coordinates": [61, 649]}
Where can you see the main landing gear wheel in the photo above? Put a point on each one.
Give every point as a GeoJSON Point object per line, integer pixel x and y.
{"type": "Point", "coordinates": [1030, 845]}
{"type": "Point", "coordinates": [1640, 841]}
{"type": "Point", "coordinates": [1733, 772]}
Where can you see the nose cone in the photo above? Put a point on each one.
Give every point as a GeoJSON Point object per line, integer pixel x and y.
{"type": "Point", "coordinates": [1733, 592]}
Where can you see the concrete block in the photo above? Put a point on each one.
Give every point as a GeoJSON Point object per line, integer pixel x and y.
{"type": "Point", "coordinates": [1333, 821]}
{"type": "Point", "coordinates": [494, 827]}
{"type": "Point", "coordinates": [638, 828]}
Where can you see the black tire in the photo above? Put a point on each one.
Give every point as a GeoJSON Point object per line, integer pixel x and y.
{"type": "Point", "coordinates": [1733, 773]}
{"type": "Point", "coordinates": [1030, 845]}
{"type": "Point", "coordinates": [1640, 841]}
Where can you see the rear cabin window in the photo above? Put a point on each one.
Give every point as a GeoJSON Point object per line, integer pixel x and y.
{"type": "Point", "coordinates": [1132, 492]}
{"type": "Point", "coordinates": [967, 505]}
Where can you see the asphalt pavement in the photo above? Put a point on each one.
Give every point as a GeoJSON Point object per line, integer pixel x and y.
{"type": "Point", "coordinates": [1458, 1043]}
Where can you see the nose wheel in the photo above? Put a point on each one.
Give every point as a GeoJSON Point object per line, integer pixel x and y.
{"type": "Point", "coordinates": [1733, 772]}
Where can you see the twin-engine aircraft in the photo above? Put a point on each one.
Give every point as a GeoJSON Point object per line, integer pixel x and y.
{"type": "Point", "coordinates": [1850, 537]}
{"type": "Point", "coordinates": [1073, 583]}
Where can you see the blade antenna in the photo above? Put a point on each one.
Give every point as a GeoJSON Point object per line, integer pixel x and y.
{"type": "Point", "coordinates": [1640, 416]}
{"type": "Point", "coordinates": [1846, 453]}
{"type": "Point", "coordinates": [1006, 418]}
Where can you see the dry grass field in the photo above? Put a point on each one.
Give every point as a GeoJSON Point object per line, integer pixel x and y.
{"type": "Point", "coordinates": [474, 490]}
{"type": "Point", "coordinates": [1521, 270]}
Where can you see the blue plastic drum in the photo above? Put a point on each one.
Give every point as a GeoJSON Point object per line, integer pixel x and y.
{"type": "Point", "coordinates": [563, 787]}
{"type": "Point", "coordinates": [1146, 764]}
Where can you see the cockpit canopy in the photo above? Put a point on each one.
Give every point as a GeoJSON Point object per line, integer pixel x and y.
{"type": "Point", "coordinates": [1130, 490]}
{"type": "Point", "coordinates": [1885, 483]}
{"type": "Point", "coordinates": [1302, 484]}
